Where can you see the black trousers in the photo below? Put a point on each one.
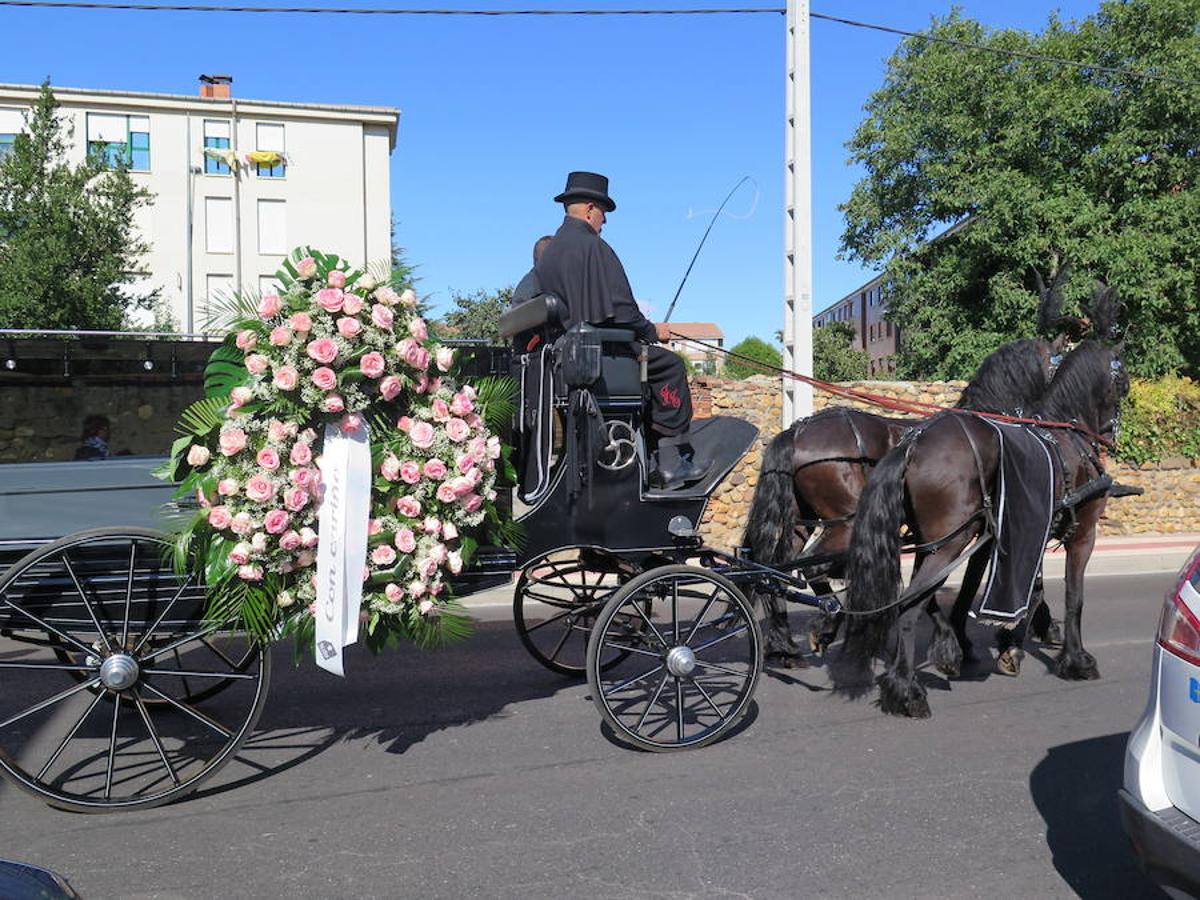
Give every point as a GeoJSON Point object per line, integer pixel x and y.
{"type": "Point", "coordinates": [670, 397]}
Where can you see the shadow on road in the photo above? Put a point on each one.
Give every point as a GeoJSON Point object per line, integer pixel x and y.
{"type": "Point", "coordinates": [1075, 789]}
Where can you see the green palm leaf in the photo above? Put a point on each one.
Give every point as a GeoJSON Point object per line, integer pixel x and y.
{"type": "Point", "coordinates": [202, 417]}
{"type": "Point", "coordinates": [226, 369]}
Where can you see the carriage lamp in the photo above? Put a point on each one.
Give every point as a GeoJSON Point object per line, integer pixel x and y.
{"type": "Point", "coordinates": [10, 359]}
{"type": "Point", "coordinates": [148, 362]}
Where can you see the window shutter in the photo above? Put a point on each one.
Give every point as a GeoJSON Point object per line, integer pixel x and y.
{"type": "Point", "coordinates": [109, 129]}
{"type": "Point", "coordinates": [272, 227]}
{"type": "Point", "coordinates": [269, 137]}
{"type": "Point", "coordinates": [218, 224]}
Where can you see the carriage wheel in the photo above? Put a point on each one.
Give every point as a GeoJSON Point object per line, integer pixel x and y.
{"type": "Point", "coordinates": [556, 602]}
{"type": "Point", "coordinates": [116, 691]}
{"type": "Point", "coordinates": [691, 666]}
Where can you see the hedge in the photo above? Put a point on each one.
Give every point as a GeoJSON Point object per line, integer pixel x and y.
{"type": "Point", "coordinates": [1160, 419]}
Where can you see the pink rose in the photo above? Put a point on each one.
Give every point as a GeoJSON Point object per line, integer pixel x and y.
{"type": "Point", "coordinates": [449, 532]}
{"type": "Point", "coordinates": [445, 492]}
{"type": "Point", "coordinates": [337, 279]}
{"type": "Point", "coordinates": [241, 395]}
{"type": "Point", "coordinates": [269, 306]}
{"type": "Point", "coordinates": [454, 562]}
{"type": "Point", "coordinates": [259, 488]}
{"type": "Point", "coordinates": [461, 406]}
{"type": "Point", "coordinates": [431, 525]}
{"type": "Point", "coordinates": [232, 441]}
{"type": "Point", "coordinates": [348, 327]}
{"type": "Point", "coordinates": [240, 554]}
{"type": "Point", "coordinates": [295, 499]}
{"type": "Point", "coordinates": [374, 527]}
{"type": "Point", "coordinates": [219, 517]}
{"type": "Point", "coordinates": [445, 358]}
{"type": "Point", "coordinates": [390, 468]}
{"type": "Point", "coordinates": [390, 387]}
{"type": "Point", "coordinates": [351, 422]}
{"type": "Point", "coordinates": [427, 566]}
{"type": "Point", "coordinates": [421, 360]}
{"type": "Point", "coordinates": [301, 322]}
{"type": "Point", "coordinates": [333, 403]}
{"type": "Point", "coordinates": [324, 378]}
{"type": "Point", "coordinates": [330, 299]}
{"type": "Point", "coordinates": [383, 555]}
{"type": "Point", "coordinates": [268, 459]}
{"type": "Point", "coordinates": [416, 589]}
{"type": "Point", "coordinates": [308, 538]}
{"type": "Point", "coordinates": [393, 592]}
{"type": "Point", "coordinates": [404, 423]}
{"type": "Point", "coordinates": [461, 485]}
{"type": "Point", "coordinates": [435, 384]}
{"type": "Point", "coordinates": [301, 454]}
{"type": "Point", "coordinates": [306, 558]}
{"type": "Point", "coordinates": [322, 350]}
{"type": "Point", "coordinates": [372, 364]}
{"type": "Point", "coordinates": [276, 431]}
{"type": "Point", "coordinates": [289, 540]}
{"type": "Point", "coordinates": [307, 268]}
{"type": "Point", "coordinates": [418, 329]}
{"type": "Point", "coordinates": [246, 340]}
{"type": "Point", "coordinates": [281, 336]}
{"type": "Point", "coordinates": [465, 463]}
{"type": "Point", "coordinates": [441, 412]}
{"type": "Point", "coordinates": [303, 478]}
{"type": "Point", "coordinates": [256, 363]}
{"type": "Point", "coordinates": [408, 298]}
{"type": "Point", "coordinates": [198, 455]}
{"type": "Point", "coordinates": [276, 521]}
{"type": "Point", "coordinates": [406, 541]}
{"type": "Point", "coordinates": [387, 296]}
{"type": "Point", "coordinates": [458, 430]}
{"type": "Point", "coordinates": [286, 378]}
{"type": "Point", "coordinates": [258, 543]}
{"type": "Point", "coordinates": [408, 506]}
{"type": "Point", "coordinates": [428, 606]}
{"type": "Point", "coordinates": [493, 447]}
{"type": "Point", "coordinates": [250, 573]}
{"type": "Point", "coordinates": [382, 317]}
{"type": "Point", "coordinates": [242, 524]}
{"type": "Point", "coordinates": [421, 435]}
{"type": "Point", "coordinates": [472, 502]}
{"type": "Point", "coordinates": [435, 469]}
{"type": "Point", "coordinates": [228, 487]}
{"type": "Point", "coordinates": [410, 472]}
{"type": "Point", "coordinates": [352, 305]}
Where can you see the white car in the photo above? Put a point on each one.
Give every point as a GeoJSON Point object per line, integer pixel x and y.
{"type": "Point", "coordinates": [1160, 803]}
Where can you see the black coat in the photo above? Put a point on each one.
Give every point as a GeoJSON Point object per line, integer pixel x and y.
{"type": "Point", "coordinates": [587, 275]}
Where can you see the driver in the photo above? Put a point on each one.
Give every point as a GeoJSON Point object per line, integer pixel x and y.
{"type": "Point", "coordinates": [584, 271]}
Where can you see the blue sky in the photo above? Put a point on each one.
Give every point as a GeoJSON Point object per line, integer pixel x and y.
{"type": "Point", "coordinates": [495, 111]}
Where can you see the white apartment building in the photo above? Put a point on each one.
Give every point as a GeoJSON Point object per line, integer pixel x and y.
{"type": "Point", "coordinates": [236, 184]}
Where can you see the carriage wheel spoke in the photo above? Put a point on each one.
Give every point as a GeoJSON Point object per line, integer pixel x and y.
{"type": "Point", "coordinates": [649, 706]}
{"type": "Point", "coordinates": [229, 662]}
{"type": "Point", "coordinates": [198, 674]}
{"type": "Point", "coordinates": [625, 648]}
{"type": "Point", "coordinates": [679, 709]}
{"type": "Point", "coordinates": [162, 753]}
{"type": "Point", "coordinates": [112, 747]}
{"type": "Point", "coordinates": [170, 603]}
{"type": "Point", "coordinates": [70, 734]}
{"type": "Point", "coordinates": [198, 636]}
{"type": "Point", "coordinates": [645, 618]}
{"type": "Point", "coordinates": [187, 690]}
{"type": "Point", "coordinates": [732, 634]}
{"type": "Point", "coordinates": [554, 618]}
{"type": "Point", "coordinates": [700, 618]}
{"type": "Point", "coordinates": [90, 651]}
{"type": "Point", "coordinates": [86, 603]}
{"type": "Point", "coordinates": [634, 680]}
{"type": "Point", "coordinates": [191, 711]}
{"type": "Point", "coordinates": [562, 640]}
{"type": "Point", "coordinates": [725, 669]}
{"type": "Point", "coordinates": [50, 701]}
{"type": "Point", "coordinates": [58, 667]}
{"type": "Point", "coordinates": [704, 694]}
{"type": "Point", "coordinates": [129, 592]}
{"type": "Point", "coordinates": [675, 609]}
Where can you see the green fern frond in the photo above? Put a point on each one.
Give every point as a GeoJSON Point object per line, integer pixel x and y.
{"type": "Point", "coordinates": [497, 399]}
{"type": "Point", "coordinates": [202, 417]}
{"type": "Point", "coordinates": [226, 311]}
{"type": "Point", "coordinates": [226, 369]}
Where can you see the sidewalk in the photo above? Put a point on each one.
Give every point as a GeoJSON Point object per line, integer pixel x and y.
{"type": "Point", "coordinates": [1117, 555]}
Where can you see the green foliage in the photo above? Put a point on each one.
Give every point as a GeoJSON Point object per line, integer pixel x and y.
{"type": "Point", "coordinates": [835, 358]}
{"type": "Point", "coordinates": [476, 316]}
{"type": "Point", "coordinates": [1160, 419]}
{"type": "Point", "coordinates": [756, 349]}
{"type": "Point", "coordinates": [688, 368]}
{"type": "Point", "coordinates": [1045, 164]}
{"type": "Point", "coordinates": [67, 241]}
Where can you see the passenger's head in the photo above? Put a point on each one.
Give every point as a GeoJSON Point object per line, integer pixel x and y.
{"type": "Point", "coordinates": [95, 426]}
{"type": "Point", "coordinates": [539, 247]}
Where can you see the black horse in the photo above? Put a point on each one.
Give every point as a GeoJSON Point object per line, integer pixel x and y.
{"type": "Point", "coordinates": [938, 482]}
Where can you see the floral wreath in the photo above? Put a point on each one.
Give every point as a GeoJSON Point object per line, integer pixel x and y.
{"type": "Point", "coordinates": [336, 346]}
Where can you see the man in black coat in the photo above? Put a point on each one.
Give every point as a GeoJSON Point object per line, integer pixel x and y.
{"type": "Point", "coordinates": [586, 274]}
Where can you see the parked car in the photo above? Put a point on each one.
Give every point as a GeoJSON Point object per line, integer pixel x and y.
{"type": "Point", "coordinates": [22, 881]}
{"type": "Point", "coordinates": [1160, 801]}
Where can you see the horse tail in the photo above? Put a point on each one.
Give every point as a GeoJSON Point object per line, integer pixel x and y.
{"type": "Point", "coordinates": [771, 523]}
{"type": "Point", "coordinates": [872, 571]}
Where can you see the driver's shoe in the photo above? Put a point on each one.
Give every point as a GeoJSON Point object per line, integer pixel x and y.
{"type": "Point", "coordinates": [674, 470]}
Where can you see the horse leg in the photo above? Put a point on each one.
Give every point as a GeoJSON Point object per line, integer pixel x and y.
{"type": "Point", "coordinates": [1075, 663]}
{"type": "Point", "coordinates": [959, 614]}
{"type": "Point", "coordinates": [945, 652]}
{"type": "Point", "coordinates": [900, 694]}
{"type": "Point", "coordinates": [822, 627]}
{"type": "Point", "coordinates": [781, 645]}
{"type": "Point", "coordinates": [1044, 626]}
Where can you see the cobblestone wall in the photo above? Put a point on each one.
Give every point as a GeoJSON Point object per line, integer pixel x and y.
{"type": "Point", "coordinates": [1171, 503]}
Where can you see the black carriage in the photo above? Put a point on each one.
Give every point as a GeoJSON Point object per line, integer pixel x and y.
{"type": "Point", "coordinates": [122, 689]}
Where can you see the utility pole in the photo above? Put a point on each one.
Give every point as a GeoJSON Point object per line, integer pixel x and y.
{"type": "Point", "coordinates": [797, 278]}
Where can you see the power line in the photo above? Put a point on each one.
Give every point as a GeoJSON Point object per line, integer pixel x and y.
{"type": "Point", "coordinates": [382, 11]}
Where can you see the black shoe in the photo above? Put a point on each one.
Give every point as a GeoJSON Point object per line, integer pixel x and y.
{"type": "Point", "coordinates": [675, 471]}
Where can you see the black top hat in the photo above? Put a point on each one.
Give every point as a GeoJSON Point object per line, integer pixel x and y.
{"type": "Point", "coordinates": [587, 186]}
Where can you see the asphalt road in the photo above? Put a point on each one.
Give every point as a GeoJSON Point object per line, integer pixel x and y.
{"type": "Point", "coordinates": [472, 772]}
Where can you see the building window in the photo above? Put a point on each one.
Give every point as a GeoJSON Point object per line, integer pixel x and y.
{"type": "Point", "coordinates": [217, 288]}
{"type": "Point", "coordinates": [218, 224]}
{"type": "Point", "coordinates": [216, 138]}
{"type": "Point", "coordinates": [272, 227]}
{"type": "Point", "coordinates": [6, 143]}
{"type": "Point", "coordinates": [268, 157]}
{"type": "Point", "coordinates": [888, 325]}
{"type": "Point", "coordinates": [268, 284]}
{"type": "Point", "coordinates": [120, 140]}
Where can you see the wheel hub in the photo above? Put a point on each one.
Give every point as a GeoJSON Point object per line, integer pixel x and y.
{"type": "Point", "coordinates": [119, 672]}
{"type": "Point", "coordinates": [681, 661]}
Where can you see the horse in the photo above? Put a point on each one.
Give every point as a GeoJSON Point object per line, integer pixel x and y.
{"type": "Point", "coordinates": [939, 482]}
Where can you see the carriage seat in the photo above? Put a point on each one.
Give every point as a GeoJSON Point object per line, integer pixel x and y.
{"type": "Point", "coordinates": [545, 315]}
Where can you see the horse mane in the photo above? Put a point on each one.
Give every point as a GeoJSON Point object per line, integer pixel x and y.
{"type": "Point", "coordinates": [1073, 390]}
{"type": "Point", "coordinates": [1010, 378]}
{"type": "Point", "coordinates": [1106, 308]}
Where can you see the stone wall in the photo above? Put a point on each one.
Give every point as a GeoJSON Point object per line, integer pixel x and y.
{"type": "Point", "coordinates": [1171, 503]}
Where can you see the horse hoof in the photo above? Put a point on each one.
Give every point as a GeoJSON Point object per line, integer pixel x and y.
{"type": "Point", "coordinates": [1009, 663]}
{"type": "Point", "coordinates": [1053, 636]}
{"type": "Point", "coordinates": [918, 707]}
{"type": "Point", "coordinates": [1081, 669]}
{"type": "Point", "coordinates": [787, 659]}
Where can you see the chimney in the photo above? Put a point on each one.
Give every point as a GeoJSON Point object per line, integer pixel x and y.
{"type": "Point", "coordinates": [219, 86]}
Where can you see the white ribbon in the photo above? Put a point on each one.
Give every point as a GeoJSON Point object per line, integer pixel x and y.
{"type": "Point", "coordinates": [342, 549]}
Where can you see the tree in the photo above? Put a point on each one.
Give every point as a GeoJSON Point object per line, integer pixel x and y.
{"type": "Point", "coordinates": [756, 349]}
{"type": "Point", "coordinates": [477, 315]}
{"type": "Point", "coordinates": [67, 240]}
{"type": "Point", "coordinates": [1041, 164]}
{"type": "Point", "coordinates": [835, 358]}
